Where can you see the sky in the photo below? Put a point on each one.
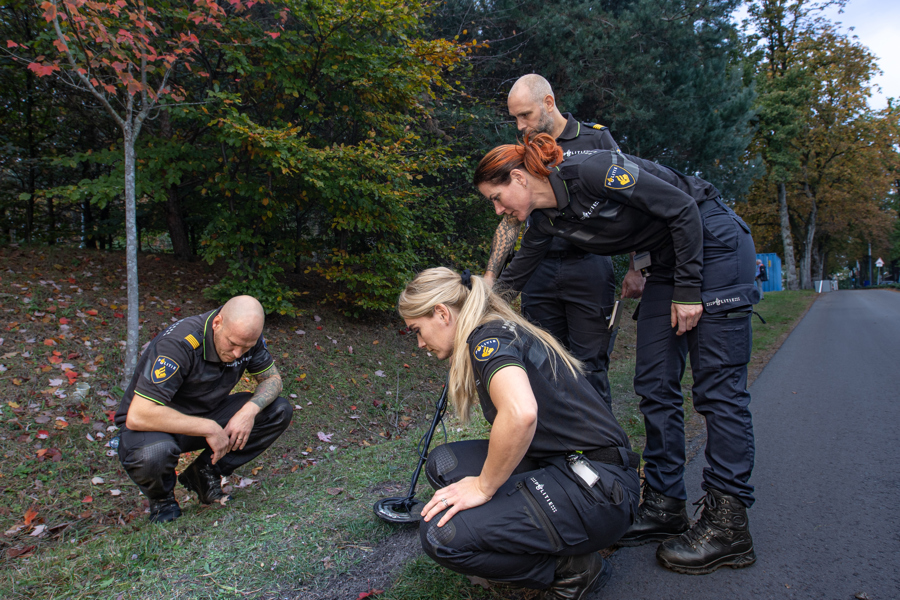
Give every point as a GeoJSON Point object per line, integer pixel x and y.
{"type": "Point", "coordinates": [875, 23]}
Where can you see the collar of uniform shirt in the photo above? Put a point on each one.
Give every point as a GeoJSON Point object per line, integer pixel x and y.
{"type": "Point", "coordinates": [209, 343]}
{"type": "Point", "coordinates": [572, 128]}
{"type": "Point", "coordinates": [560, 189]}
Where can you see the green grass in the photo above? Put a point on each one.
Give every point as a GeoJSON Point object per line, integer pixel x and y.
{"type": "Point", "coordinates": [309, 516]}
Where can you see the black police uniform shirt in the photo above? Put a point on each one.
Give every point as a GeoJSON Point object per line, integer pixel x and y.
{"type": "Point", "coordinates": [571, 414]}
{"type": "Point", "coordinates": [578, 138]}
{"type": "Point", "coordinates": [181, 369]}
{"type": "Point", "coordinates": [613, 203]}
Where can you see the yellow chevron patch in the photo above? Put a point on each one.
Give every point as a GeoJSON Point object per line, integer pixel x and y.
{"type": "Point", "coordinates": [192, 341]}
{"type": "Point", "coordinates": [599, 127]}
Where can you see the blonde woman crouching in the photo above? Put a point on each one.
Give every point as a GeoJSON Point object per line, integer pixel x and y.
{"type": "Point", "coordinates": [555, 482]}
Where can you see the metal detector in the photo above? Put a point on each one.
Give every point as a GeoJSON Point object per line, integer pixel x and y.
{"type": "Point", "coordinates": [407, 509]}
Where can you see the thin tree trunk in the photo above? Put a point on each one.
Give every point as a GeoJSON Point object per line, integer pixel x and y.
{"type": "Point", "coordinates": [808, 249]}
{"type": "Point", "coordinates": [132, 323]}
{"type": "Point", "coordinates": [787, 240]}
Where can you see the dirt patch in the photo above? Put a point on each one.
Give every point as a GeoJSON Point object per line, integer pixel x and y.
{"type": "Point", "coordinates": [375, 572]}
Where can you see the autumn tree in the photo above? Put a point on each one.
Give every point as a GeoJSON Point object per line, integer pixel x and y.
{"type": "Point", "coordinates": [126, 54]}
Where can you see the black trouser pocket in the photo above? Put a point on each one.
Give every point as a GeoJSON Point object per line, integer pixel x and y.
{"type": "Point", "coordinates": [724, 340]}
{"type": "Point", "coordinates": [553, 510]}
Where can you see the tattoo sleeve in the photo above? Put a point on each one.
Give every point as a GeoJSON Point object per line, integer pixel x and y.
{"type": "Point", "coordinates": [268, 386]}
{"type": "Point", "coordinates": [503, 243]}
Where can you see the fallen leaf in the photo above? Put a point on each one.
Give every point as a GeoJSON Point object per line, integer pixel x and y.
{"type": "Point", "coordinates": [325, 438]}
{"type": "Point", "coordinates": [22, 551]}
{"type": "Point", "coordinates": [300, 332]}
{"type": "Point", "coordinates": [13, 404]}
{"type": "Point", "coordinates": [317, 318]}
{"type": "Point", "coordinates": [255, 470]}
{"type": "Point", "coordinates": [379, 373]}
{"type": "Point", "coordinates": [30, 514]}
{"type": "Point", "coordinates": [115, 492]}
{"type": "Point", "coordinates": [87, 500]}
{"type": "Point", "coordinates": [97, 480]}
{"type": "Point", "coordinates": [245, 482]}
{"type": "Point", "coordinates": [91, 312]}
{"type": "Point", "coordinates": [369, 593]}
{"type": "Point", "coordinates": [334, 491]}
{"type": "Point", "coordinates": [60, 424]}
{"type": "Point", "coordinates": [49, 342]}
{"type": "Point", "coordinates": [56, 382]}
{"type": "Point", "coordinates": [64, 321]}
{"type": "Point", "coordinates": [42, 434]}
{"type": "Point", "coordinates": [38, 530]}
{"type": "Point", "coordinates": [375, 342]}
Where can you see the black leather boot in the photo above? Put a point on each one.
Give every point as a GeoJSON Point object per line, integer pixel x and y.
{"type": "Point", "coordinates": [659, 518]}
{"type": "Point", "coordinates": [201, 478]}
{"type": "Point", "coordinates": [577, 576]}
{"type": "Point", "coordinates": [165, 509]}
{"type": "Point", "coordinates": [720, 538]}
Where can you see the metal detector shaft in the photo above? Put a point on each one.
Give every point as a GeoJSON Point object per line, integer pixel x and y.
{"type": "Point", "coordinates": [438, 415]}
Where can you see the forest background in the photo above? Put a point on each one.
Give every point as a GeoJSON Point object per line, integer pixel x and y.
{"type": "Point", "coordinates": [337, 139]}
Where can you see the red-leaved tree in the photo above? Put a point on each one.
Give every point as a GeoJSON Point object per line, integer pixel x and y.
{"type": "Point", "coordinates": [126, 54]}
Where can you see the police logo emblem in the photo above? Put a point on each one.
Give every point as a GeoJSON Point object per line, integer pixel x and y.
{"type": "Point", "coordinates": [163, 368]}
{"type": "Point", "coordinates": [617, 178]}
{"type": "Point", "coordinates": [486, 349]}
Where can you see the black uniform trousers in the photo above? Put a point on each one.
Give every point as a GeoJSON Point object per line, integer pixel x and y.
{"type": "Point", "coordinates": [719, 348]}
{"type": "Point", "coordinates": [571, 295]}
{"type": "Point", "coordinates": [150, 457]}
{"type": "Point", "coordinates": [539, 514]}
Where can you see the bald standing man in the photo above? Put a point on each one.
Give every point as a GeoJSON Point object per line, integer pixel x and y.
{"type": "Point", "coordinates": [572, 292]}
{"type": "Point", "coordinates": [180, 400]}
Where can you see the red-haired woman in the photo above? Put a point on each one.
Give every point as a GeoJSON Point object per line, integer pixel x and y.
{"type": "Point", "coordinates": [700, 264]}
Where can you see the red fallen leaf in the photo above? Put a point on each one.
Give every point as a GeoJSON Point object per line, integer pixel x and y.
{"type": "Point", "coordinates": [405, 366]}
{"type": "Point", "coordinates": [160, 313]}
{"type": "Point", "coordinates": [111, 415]}
{"type": "Point", "coordinates": [64, 321]}
{"type": "Point", "coordinates": [55, 359]}
{"type": "Point", "coordinates": [72, 355]}
{"type": "Point", "coordinates": [19, 552]}
{"type": "Point", "coordinates": [376, 403]}
{"type": "Point", "coordinates": [42, 451]}
{"type": "Point", "coordinates": [91, 312]}
{"type": "Point", "coordinates": [54, 454]}
{"type": "Point", "coordinates": [71, 280]}
{"type": "Point", "coordinates": [352, 407]}
{"type": "Point", "coordinates": [319, 328]}
{"type": "Point", "coordinates": [57, 353]}
{"type": "Point", "coordinates": [403, 331]}
{"type": "Point", "coordinates": [30, 514]}
{"type": "Point", "coordinates": [119, 315]}
{"type": "Point", "coordinates": [42, 434]}
{"type": "Point", "coordinates": [51, 309]}
{"type": "Point", "coordinates": [49, 342]}
{"type": "Point", "coordinates": [176, 309]}
{"type": "Point", "coordinates": [103, 323]}
{"type": "Point", "coordinates": [87, 499]}
{"type": "Point", "coordinates": [369, 594]}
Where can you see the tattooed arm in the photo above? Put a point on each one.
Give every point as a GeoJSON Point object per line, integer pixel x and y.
{"type": "Point", "coordinates": [503, 243]}
{"type": "Point", "coordinates": [268, 386]}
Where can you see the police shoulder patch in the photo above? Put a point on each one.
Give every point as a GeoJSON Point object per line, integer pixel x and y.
{"type": "Point", "coordinates": [618, 178]}
{"type": "Point", "coordinates": [163, 368]}
{"type": "Point", "coordinates": [486, 349]}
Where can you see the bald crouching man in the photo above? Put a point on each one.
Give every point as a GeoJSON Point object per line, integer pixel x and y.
{"type": "Point", "coordinates": [179, 400]}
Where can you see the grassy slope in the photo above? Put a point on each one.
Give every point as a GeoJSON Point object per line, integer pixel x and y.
{"type": "Point", "coordinates": [306, 518]}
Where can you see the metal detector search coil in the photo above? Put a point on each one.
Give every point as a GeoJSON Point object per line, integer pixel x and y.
{"type": "Point", "coordinates": [407, 509]}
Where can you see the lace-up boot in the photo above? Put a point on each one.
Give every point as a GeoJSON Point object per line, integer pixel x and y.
{"type": "Point", "coordinates": [577, 576]}
{"type": "Point", "coordinates": [165, 509]}
{"type": "Point", "coordinates": [200, 477]}
{"type": "Point", "coordinates": [720, 538]}
{"type": "Point", "coordinates": [659, 517]}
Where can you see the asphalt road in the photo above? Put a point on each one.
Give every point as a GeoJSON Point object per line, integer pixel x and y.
{"type": "Point", "coordinates": [826, 523]}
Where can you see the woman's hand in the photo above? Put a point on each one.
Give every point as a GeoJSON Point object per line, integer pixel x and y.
{"type": "Point", "coordinates": [464, 494]}
{"type": "Point", "coordinates": [686, 316]}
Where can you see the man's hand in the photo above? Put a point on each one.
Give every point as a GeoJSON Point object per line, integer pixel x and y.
{"type": "Point", "coordinates": [686, 316]}
{"type": "Point", "coordinates": [218, 443]}
{"type": "Point", "coordinates": [240, 425]}
{"type": "Point", "coordinates": [465, 493]}
{"type": "Point", "coordinates": [632, 284]}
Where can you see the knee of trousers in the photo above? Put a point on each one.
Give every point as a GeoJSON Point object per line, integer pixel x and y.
{"type": "Point", "coordinates": [448, 547]}
{"type": "Point", "coordinates": [281, 412]}
{"type": "Point", "coordinates": [149, 463]}
{"type": "Point", "coordinates": [441, 461]}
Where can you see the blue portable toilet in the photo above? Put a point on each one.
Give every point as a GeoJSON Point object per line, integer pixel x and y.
{"type": "Point", "coordinates": [773, 271]}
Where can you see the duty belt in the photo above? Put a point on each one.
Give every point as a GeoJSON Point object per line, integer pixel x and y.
{"type": "Point", "coordinates": [613, 456]}
{"type": "Point", "coordinates": [708, 205]}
